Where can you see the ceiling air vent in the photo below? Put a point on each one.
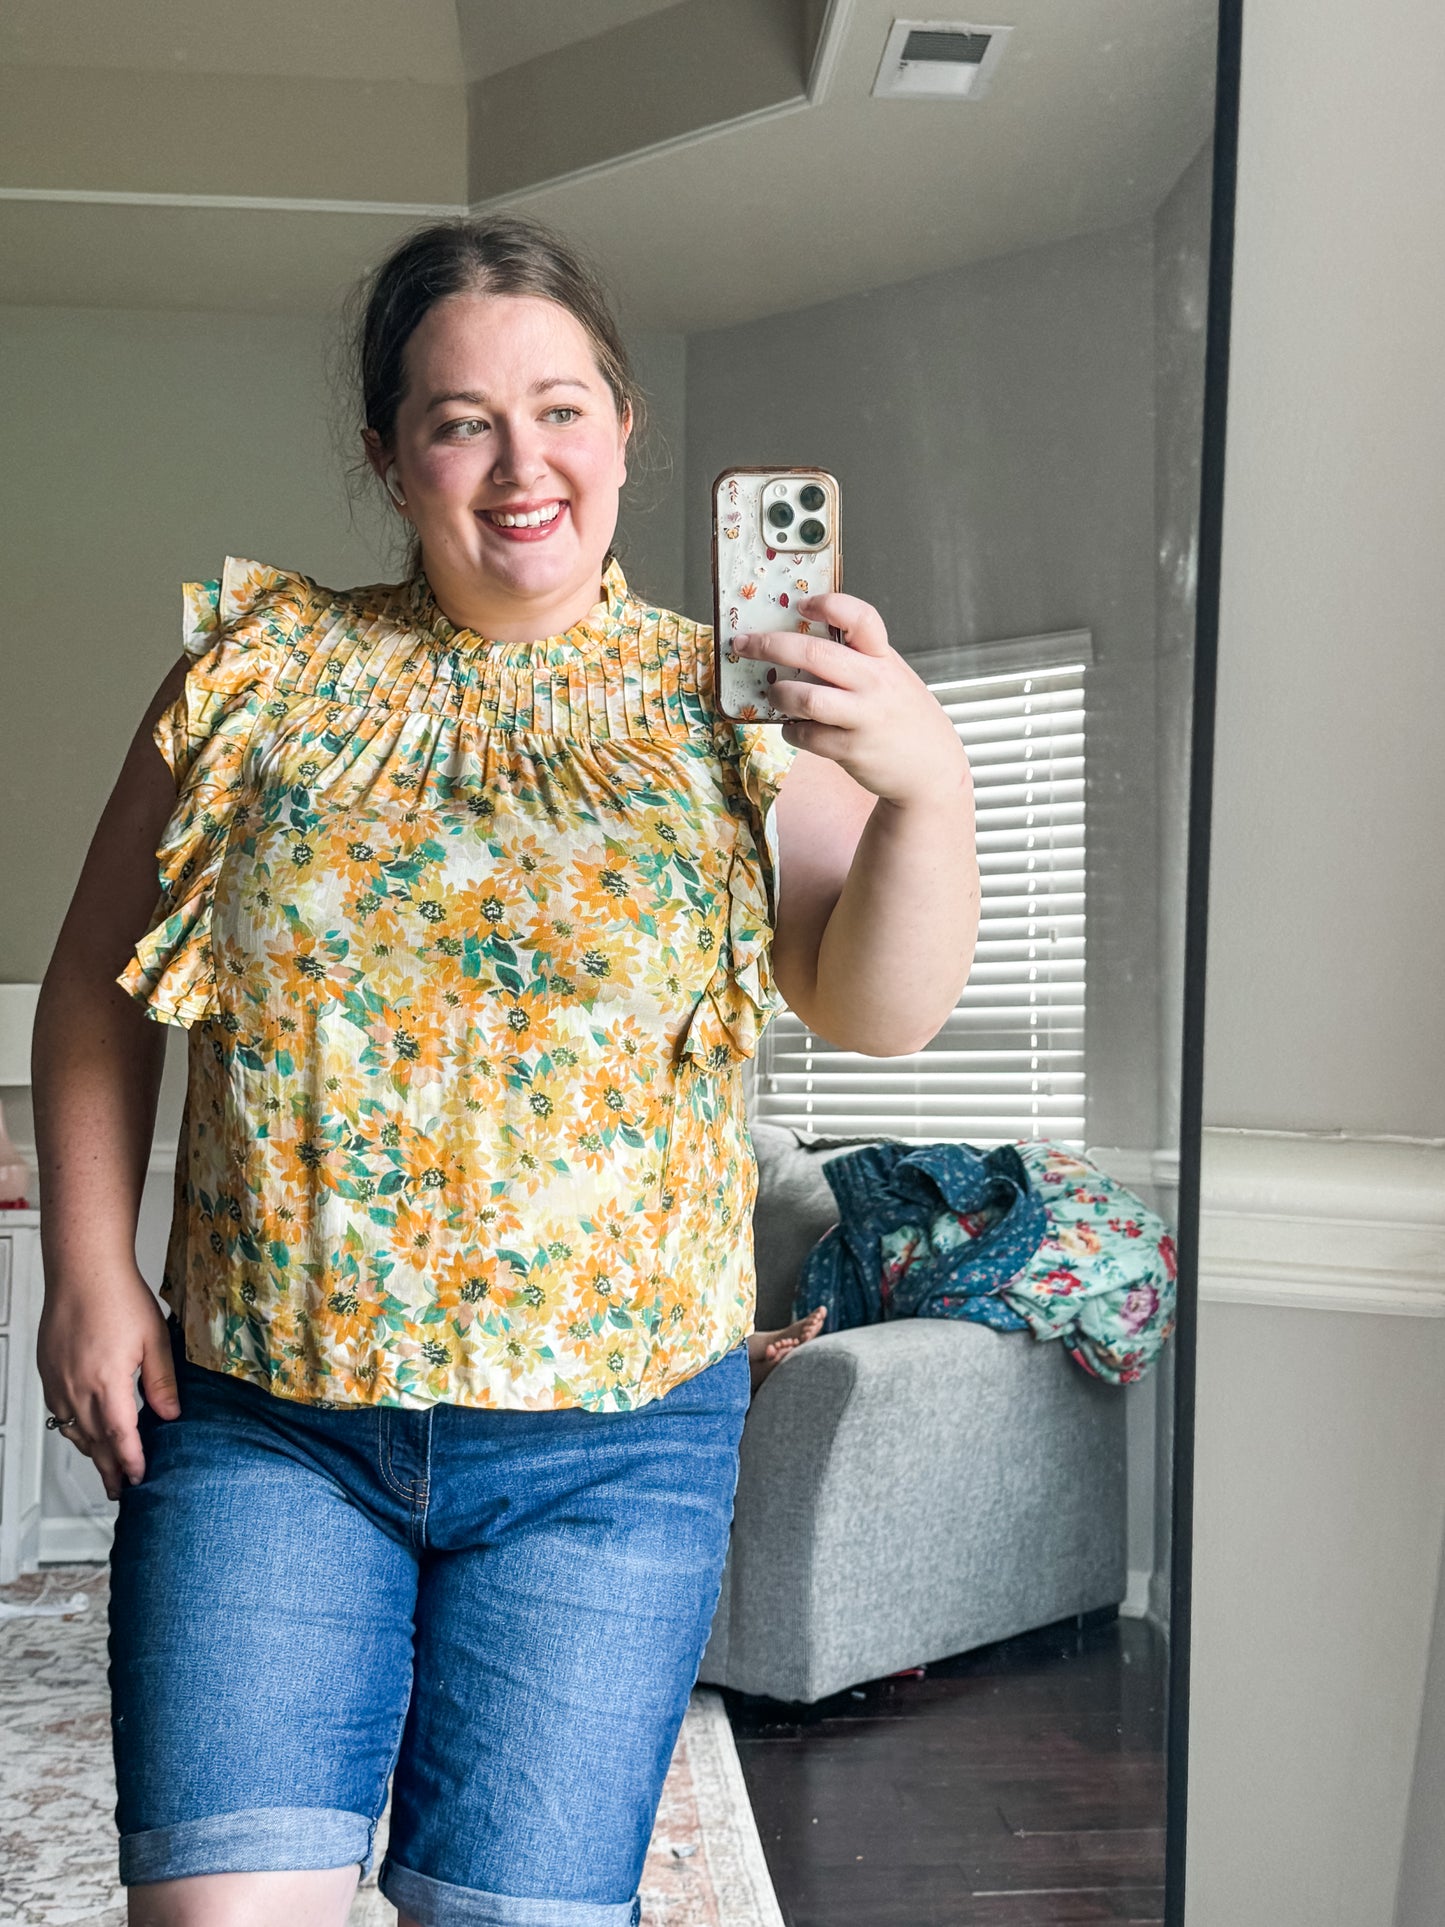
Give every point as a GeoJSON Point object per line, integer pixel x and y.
{"type": "Point", "coordinates": [938, 60]}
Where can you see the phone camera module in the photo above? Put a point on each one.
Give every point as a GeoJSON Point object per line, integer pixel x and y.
{"type": "Point", "coordinates": [780, 514]}
{"type": "Point", "coordinates": [812, 531]}
{"type": "Point", "coordinates": [810, 496]}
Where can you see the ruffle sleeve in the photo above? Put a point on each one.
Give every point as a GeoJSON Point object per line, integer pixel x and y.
{"type": "Point", "coordinates": [236, 632]}
{"type": "Point", "coordinates": [728, 1024]}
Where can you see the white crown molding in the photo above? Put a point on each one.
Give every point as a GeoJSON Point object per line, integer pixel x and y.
{"type": "Point", "coordinates": [635, 156]}
{"type": "Point", "coordinates": [1316, 1223]}
{"type": "Point", "coordinates": [237, 203]}
{"type": "Point", "coordinates": [831, 36]}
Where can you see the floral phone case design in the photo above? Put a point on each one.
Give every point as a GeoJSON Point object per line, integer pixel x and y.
{"type": "Point", "coordinates": [775, 540]}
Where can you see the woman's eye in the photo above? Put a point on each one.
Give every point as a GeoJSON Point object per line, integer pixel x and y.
{"type": "Point", "coordinates": [565, 409]}
{"type": "Point", "coordinates": [457, 428]}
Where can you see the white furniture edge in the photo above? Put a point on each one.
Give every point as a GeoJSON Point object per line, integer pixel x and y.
{"type": "Point", "coordinates": [1323, 1223]}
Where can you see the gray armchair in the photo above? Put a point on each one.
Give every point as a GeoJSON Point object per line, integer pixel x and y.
{"type": "Point", "coordinates": [907, 1490]}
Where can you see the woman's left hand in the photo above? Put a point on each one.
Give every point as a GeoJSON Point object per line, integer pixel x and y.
{"type": "Point", "coordinates": [868, 711]}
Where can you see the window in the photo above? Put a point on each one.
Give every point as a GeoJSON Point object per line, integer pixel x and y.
{"type": "Point", "coordinates": [1009, 1062]}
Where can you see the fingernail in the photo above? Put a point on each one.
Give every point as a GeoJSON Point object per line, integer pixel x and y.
{"type": "Point", "coordinates": [772, 675]}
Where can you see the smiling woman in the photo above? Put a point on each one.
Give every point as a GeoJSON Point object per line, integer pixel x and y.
{"type": "Point", "coordinates": [472, 910]}
{"type": "Point", "coordinates": [507, 487]}
{"type": "Point", "coordinates": [456, 326]}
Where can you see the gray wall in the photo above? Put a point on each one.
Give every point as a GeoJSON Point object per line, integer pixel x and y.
{"type": "Point", "coordinates": [1320, 1442]}
{"type": "Point", "coordinates": [992, 431]}
{"type": "Point", "coordinates": [1328, 927]}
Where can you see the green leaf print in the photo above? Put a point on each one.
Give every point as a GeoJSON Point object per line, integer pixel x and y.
{"type": "Point", "coordinates": [280, 1256]}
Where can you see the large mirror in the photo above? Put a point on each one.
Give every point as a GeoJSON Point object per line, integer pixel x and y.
{"type": "Point", "coordinates": [964, 267]}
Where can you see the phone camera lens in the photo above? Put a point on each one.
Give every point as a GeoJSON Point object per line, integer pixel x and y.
{"type": "Point", "coordinates": [779, 514]}
{"type": "Point", "coordinates": [811, 497]}
{"type": "Point", "coordinates": [812, 530]}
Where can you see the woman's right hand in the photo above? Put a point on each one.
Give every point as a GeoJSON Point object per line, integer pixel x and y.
{"type": "Point", "coordinates": [96, 1063]}
{"type": "Point", "coordinates": [94, 1338]}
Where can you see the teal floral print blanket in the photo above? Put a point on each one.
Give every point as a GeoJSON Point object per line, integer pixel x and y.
{"type": "Point", "coordinates": [1025, 1237]}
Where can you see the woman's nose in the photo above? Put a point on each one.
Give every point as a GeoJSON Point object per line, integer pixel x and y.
{"type": "Point", "coordinates": [521, 457]}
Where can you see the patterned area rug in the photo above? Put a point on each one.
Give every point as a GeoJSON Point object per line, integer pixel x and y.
{"type": "Point", "coordinates": [705, 1867]}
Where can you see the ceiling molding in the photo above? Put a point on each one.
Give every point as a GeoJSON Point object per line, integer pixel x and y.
{"type": "Point", "coordinates": [247, 203]}
{"type": "Point", "coordinates": [828, 48]}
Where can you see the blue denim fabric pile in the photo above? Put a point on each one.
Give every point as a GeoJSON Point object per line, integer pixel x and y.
{"type": "Point", "coordinates": [1025, 1237]}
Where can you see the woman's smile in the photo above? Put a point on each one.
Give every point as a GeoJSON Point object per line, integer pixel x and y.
{"type": "Point", "coordinates": [524, 522]}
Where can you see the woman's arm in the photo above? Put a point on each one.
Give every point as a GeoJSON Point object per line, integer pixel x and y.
{"type": "Point", "coordinates": [97, 1064]}
{"type": "Point", "coordinates": [878, 913]}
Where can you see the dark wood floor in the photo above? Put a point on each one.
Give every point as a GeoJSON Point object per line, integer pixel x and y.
{"type": "Point", "coordinates": [1018, 1786]}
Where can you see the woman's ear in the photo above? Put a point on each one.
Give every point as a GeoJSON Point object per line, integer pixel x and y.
{"type": "Point", "coordinates": [376, 453]}
{"type": "Point", "coordinates": [622, 449]}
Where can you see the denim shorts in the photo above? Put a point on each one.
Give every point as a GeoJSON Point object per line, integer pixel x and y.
{"type": "Point", "coordinates": [502, 1612]}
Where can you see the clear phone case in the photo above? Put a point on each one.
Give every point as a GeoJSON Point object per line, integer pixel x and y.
{"type": "Point", "coordinates": [775, 540]}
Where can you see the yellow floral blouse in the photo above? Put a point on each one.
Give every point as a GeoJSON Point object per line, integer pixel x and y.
{"type": "Point", "coordinates": [472, 940]}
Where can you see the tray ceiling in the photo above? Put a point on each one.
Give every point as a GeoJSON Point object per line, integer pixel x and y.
{"type": "Point", "coordinates": [257, 157]}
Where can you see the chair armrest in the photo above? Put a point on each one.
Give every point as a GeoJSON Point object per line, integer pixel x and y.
{"type": "Point", "coordinates": [971, 1479]}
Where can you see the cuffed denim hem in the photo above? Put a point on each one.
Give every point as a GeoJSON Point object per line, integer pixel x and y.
{"type": "Point", "coordinates": [435, 1903]}
{"type": "Point", "coordinates": [260, 1840]}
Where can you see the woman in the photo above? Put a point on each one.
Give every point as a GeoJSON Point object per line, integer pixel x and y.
{"type": "Point", "coordinates": [473, 908]}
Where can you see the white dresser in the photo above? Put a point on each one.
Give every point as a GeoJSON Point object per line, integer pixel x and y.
{"type": "Point", "coordinates": [21, 1408]}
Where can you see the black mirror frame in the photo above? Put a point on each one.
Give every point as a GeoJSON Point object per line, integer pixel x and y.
{"type": "Point", "coordinates": [1196, 927]}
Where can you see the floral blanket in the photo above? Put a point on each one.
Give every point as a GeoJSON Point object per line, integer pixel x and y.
{"type": "Point", "coordinates": [1026, 1237]}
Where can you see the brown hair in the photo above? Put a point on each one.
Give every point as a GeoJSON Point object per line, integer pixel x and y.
{"type": "Point", "coordinates": [487, 254]}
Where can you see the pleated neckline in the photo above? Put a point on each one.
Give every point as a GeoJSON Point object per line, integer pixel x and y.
{"type": "Point", "coordinates": [596, 629]}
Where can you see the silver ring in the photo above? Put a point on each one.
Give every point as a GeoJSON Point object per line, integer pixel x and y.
{"type": "Point", "coordinates": [54, 1424]}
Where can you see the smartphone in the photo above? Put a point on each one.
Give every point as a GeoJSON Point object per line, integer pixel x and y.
{"type": "Point", "coordinates": [775, 539]}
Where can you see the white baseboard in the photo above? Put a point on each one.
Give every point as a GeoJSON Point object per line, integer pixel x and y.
{"type": "Point", "coordinates": [75, 1542]}
{"type": "Point", "coordinates": [1135, 1604]}
{"type": "Point", "coordinates": [1139, 1169]}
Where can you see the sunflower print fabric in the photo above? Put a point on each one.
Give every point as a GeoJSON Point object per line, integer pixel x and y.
{"type": "Point", "coordinates": [472, 941]}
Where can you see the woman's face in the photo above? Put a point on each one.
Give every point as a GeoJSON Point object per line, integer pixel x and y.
{"type": "Point", "coordinates": [507, 415]}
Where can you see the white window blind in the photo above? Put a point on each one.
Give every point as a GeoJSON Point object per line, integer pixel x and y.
{"type": "Point", "coordinates": [1009, 1062]}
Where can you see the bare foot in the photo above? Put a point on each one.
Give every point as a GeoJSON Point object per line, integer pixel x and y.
{"type": "Point", "coordinates": [766, 1349]}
